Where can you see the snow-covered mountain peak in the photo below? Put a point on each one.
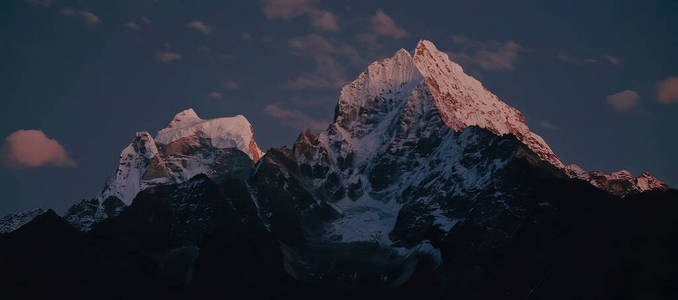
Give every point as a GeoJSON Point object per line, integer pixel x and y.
{"type": "Point", "coordinates": [229, 132]}
{"type": "Point", "coordinates": [222, 147]}
{"type": "Point", "coordinates": [463, 101]}
{"type": "Point", "coordinates": [185, 118]}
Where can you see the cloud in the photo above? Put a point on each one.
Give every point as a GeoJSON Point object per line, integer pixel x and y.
{"type": "Point", "coordinates": [89, 18]}
{"type": "Point", "coordinates": [380, 25]}
{"type": "Point", "coordinates": [167, 57]}
{"type": "Point", "coordinates": [330, 56]}
{"type": "Point", "coordinates": [294, 118]}
{"type": "Point", "coordinates": [383, 25]}
{"type": "Point", "coordinates": [146, 20]}
{"type": "Point", "coordinates": [667, 90]}
{"type": "Point", "coordinates": [131, 25]}
{"type": "Point", "coordinates": [43, 3]}
{"type": "Point", "coordinates": [493, 55]}
{"type": "Point", "coordinates": [322, 20]}
{"type": "Point", "coordinates": [32, 148]}
{"type": "Point", "coordinates": [568, 58]}
{"type": "Point", "coordinates": [215, 96]}
{"type": "Point", "coordinates": [624, 100]}
{"type": "Point", "coordinates": [548, 125]}
{"type": "Point", "coordinates": [562, 56]}
{"type": "Point", "coordinates": [201, 27]}
{"type": "Point", "coordinates": [230, 84]}
{"type": "Point", "coordinates": [612, 59]}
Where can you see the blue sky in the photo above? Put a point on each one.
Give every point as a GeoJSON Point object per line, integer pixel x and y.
{"type": "Point", "coordinates": [596, 80]}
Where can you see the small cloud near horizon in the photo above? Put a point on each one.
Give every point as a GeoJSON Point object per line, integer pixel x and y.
{"type": "Point", "coordinates": [624, 100]}
{"type": "Point", "coordinates": [667, 90]}
{"type": "Point", "coordinates": [32, 148]}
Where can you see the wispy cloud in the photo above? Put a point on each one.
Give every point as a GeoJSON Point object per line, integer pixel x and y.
{"type": "Point", "coordinates": [89, 18]}
{"type": "Point", "coordinates": [167, 57]}
{"type": "Point", "coordinates": [330, 57]}
{"type": "Point", "coordinates": [380, 25]}
{"type": "Point", "coordinates": [624, 100]}
{"type": "Point", "coordinates": [667, 90]}
{"type": "Point", "coordinates": [131, 25]}
{"type": "Point", "coordinates": [32, 148]}
{"type": "Point", "coordinates": [612, 59]}
{"type": "Point", "coordinates": [294, 118]}
{"type": "Point", "coordinates": [572, 59]}
{"type": "Point", "coordinates": [383, 25]}
{"type": "Point", "coordinates": [322, 20]}
{"type": "Point", "coordinates": [201, 27]}
{"type": "Point", "coordinates": [548, 125]}
{"type": "Point", "coordinates": [215, 96]}
{"type": "Point", "coordinates": [492, 55]}
{"type": "Point", "coordinates": [230, 84]}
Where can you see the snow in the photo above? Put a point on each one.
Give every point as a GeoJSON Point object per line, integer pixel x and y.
{"type": "Point", "coordinates": [464, 101]}
{"type": "Point", "coordinates": [143, 164]}
{"type": "Point", "coordinates": [365, 219]}
{"type": "Point", "coordinates": [232, 132]}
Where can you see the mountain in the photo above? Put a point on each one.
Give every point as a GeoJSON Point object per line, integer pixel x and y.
{"type": "Point", "coordinates": [13, 221]}
{"type": "Point", "coordinates": [218, 148]}
{"type": "Point", "coordinates": [425, 185]}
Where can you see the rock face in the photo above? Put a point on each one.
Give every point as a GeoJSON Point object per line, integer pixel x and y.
{"type": "Point", "coordinates": [13, 221]}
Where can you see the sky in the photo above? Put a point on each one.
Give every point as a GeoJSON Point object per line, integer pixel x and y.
{"type": "Point", "coordinates": [598, 80]}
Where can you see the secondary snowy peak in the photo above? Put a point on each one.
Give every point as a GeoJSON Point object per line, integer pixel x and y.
{"type": "Point", "coordinates": [187, 147]}
{"type": "Point", "coordinates": [620, 183]}
{"type": "Point", "coordinates": [233, 132]}
{"type": "Point", "coordinates": [463, 101]}
{"type": "Point", "coordinates": [185, 118]}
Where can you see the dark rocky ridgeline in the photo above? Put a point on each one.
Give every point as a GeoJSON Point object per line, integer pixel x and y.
{"type": "Point", "coordinates": [199, 238]}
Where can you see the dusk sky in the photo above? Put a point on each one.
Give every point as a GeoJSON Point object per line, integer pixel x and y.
{"type": "Point", "coordinates": [598, 80]}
